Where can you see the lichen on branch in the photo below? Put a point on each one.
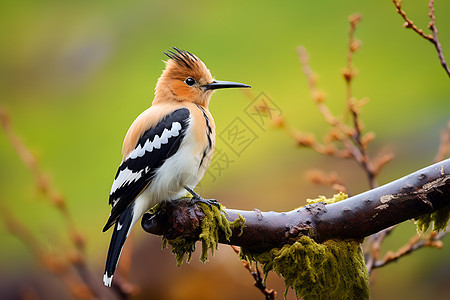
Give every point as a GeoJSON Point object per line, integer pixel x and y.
{"type": "Point", "coordinates": [333, 269]}
{"type": "Point", "coordinates": [436, 221]}
{"type": "Point", "coordinates": [210, 226]}
{"type": "Point", "coordinates": [336, 198]}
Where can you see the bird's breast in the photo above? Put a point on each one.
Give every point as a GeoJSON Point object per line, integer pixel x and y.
{"type": "Point", "coordinates": [206, 136]}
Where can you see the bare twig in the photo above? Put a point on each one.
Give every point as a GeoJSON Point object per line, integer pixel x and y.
{"type": "Point", "coordinates": [349, 72]}
{"type": "Point", "coordinates": [414, 244]}
{"type": "Point", "coordinates": [435, 41]}
{"type": "Point", "coordinates": [330, 179]}
{"type": "Point", "coordinates": [433, 38]}
{"type": "Point", "coordinates": [269, 294]}
{"type": "Point", "coordinates": [50, 193]}
{"type": "Point", "coordinates": [409, 23]}
{"type": "Point", "coordinates": [375, 242]}
{"type": "Point", "coordinates": [56, 264]}
{"type": "Point", "coordinates": [352, 138]}
{"type": "Point", "coordinates": [371, 168]}
{"type": "Point", "coordinates": [352, 104]}
{"type": "Point", "coordinates": [319, 96]}
{"type": "Point", "coordinates": [88, 285]}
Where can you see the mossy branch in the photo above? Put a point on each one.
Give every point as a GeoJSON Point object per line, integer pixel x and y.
{"type": "Point", "coordinates": [410, 197]}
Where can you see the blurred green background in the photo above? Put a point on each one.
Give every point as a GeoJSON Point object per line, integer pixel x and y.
{"type": "Point", "coordinates": [75, 74]}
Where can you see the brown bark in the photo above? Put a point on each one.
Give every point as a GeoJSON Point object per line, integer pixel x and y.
{"type": "Point", "coordinates": [409, 197]}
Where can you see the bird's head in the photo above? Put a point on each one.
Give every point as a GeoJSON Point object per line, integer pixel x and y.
{"type": "Point", "coordinates": [186, 78]}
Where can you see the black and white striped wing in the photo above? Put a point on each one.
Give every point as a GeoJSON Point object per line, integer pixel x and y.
{"type": "Point", "coordinates": [155, 146]}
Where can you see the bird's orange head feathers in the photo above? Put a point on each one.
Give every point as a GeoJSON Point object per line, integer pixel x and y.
{"type": "Point", "coordinates": [186, 78]}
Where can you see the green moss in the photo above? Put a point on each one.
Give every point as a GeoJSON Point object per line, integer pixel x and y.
{"type": "Point", "coordinates": [213, 224]}
{"type": "Point", "coordinates": [437, 221]}
{"type": "Point", "coordinates": [238, 223]}
{"type": "Point", "coordinates": [336, 198]}
{"type": "Point", "coordinates": [331, 270]}
{"type": "Point", "coordinates": [181, 248]}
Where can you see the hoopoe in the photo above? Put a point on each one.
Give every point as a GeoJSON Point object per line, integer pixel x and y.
{"type": "Point", "coordinates": [167, 149]}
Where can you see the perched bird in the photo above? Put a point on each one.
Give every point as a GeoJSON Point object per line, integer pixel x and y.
{"type": "Point", "coordinates": [167, 149]}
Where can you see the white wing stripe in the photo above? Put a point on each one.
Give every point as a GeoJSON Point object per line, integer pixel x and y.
{"type": "Point", "coordinates": [176, 127]}
{"type": "Point", "coordinates": [157, 141]}
{"type": "Point", "coordinates": [127, 176]}
{"type": "Point", "coordinates": [164, 138]}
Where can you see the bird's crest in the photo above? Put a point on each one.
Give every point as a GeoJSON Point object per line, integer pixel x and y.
{"type": "Point", "coordinates": [172, 83]}
{"type": "Point", "coordinates": [183, 57]}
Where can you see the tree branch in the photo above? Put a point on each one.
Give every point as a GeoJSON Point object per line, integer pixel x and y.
{"type": "Point", "coordinates": [434, 39]}
{"type": "Point", "coordinates": [414, 244]}
{"type": "Point", "coordinates": [269, 294]}
{"type": "Point", "coordinates": [423, 191]}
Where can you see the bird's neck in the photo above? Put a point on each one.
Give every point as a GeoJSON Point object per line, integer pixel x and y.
{"type": "Point", "coordinates": [174, 99]}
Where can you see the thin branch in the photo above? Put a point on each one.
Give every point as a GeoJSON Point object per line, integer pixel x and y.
{"type": "Point", "coordinates": [421, 192]}
{"type": "Point", "coordinates": [319, 96]}
{"type": "Point", "coordinates": [409, 23]}
{"type": "Point", "coordinates": [269, 294]}
{"type": "Point", "coordinates": [352, 138]}
{"type": "Point", "coordinates": [414, 244]}
{"type": "Point", "coordinates": [349, 73]}
{"type": "Point", "coordinates": [50, 193]}
{"type": "Point", "coordinates": [436, 42]}
{"type": "Point", "coordinates": [375, 242]}
{"type": "Point", "coordinates": [51, 262]}
{"type": "Point", "coordinates": [89, 285]}
{"type": "Point", "coordinates": [432, 26]}
{"type": "Point", "coordinates": [310, 141]}
{"type": "Point", "coordinates": [342, 141]}
{"type": "Point", "coordinates": [330, 179]}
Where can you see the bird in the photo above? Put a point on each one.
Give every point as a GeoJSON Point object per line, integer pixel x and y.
{"type": "Point", "coordinates": [167, 149]}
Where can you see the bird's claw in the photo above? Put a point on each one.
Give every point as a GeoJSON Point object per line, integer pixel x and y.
{"type": "Point", "coordinates": [196, 198]}
{"type": "Point", "coordinates": [209, 202]}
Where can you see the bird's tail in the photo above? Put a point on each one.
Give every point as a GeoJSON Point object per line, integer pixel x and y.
{"type": "Point", "coordinates": [121, 230]}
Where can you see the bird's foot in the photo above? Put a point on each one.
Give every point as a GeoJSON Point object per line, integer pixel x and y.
{"type": "Point", "coordinates": [209, 202]}
{"type": "Point", "coordinates": [197, 198]}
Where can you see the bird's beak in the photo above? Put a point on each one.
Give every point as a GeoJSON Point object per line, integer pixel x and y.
{"type": "Point", "coordinates": [217, 84]}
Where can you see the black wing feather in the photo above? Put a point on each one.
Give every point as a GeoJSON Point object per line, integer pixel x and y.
{"type": "Point", "coordinates": [147, 164]}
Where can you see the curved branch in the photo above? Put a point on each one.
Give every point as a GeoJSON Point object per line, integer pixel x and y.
{"type": "Point", "coordinates": [423, 191]}
{"type": "Point", "coordinates": [415, 243]}
{"type": "Point", "coordinates": [433, 38]}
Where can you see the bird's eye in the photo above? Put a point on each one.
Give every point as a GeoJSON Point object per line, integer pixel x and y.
{"type": "Point", "coordinates": [190, 81]}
